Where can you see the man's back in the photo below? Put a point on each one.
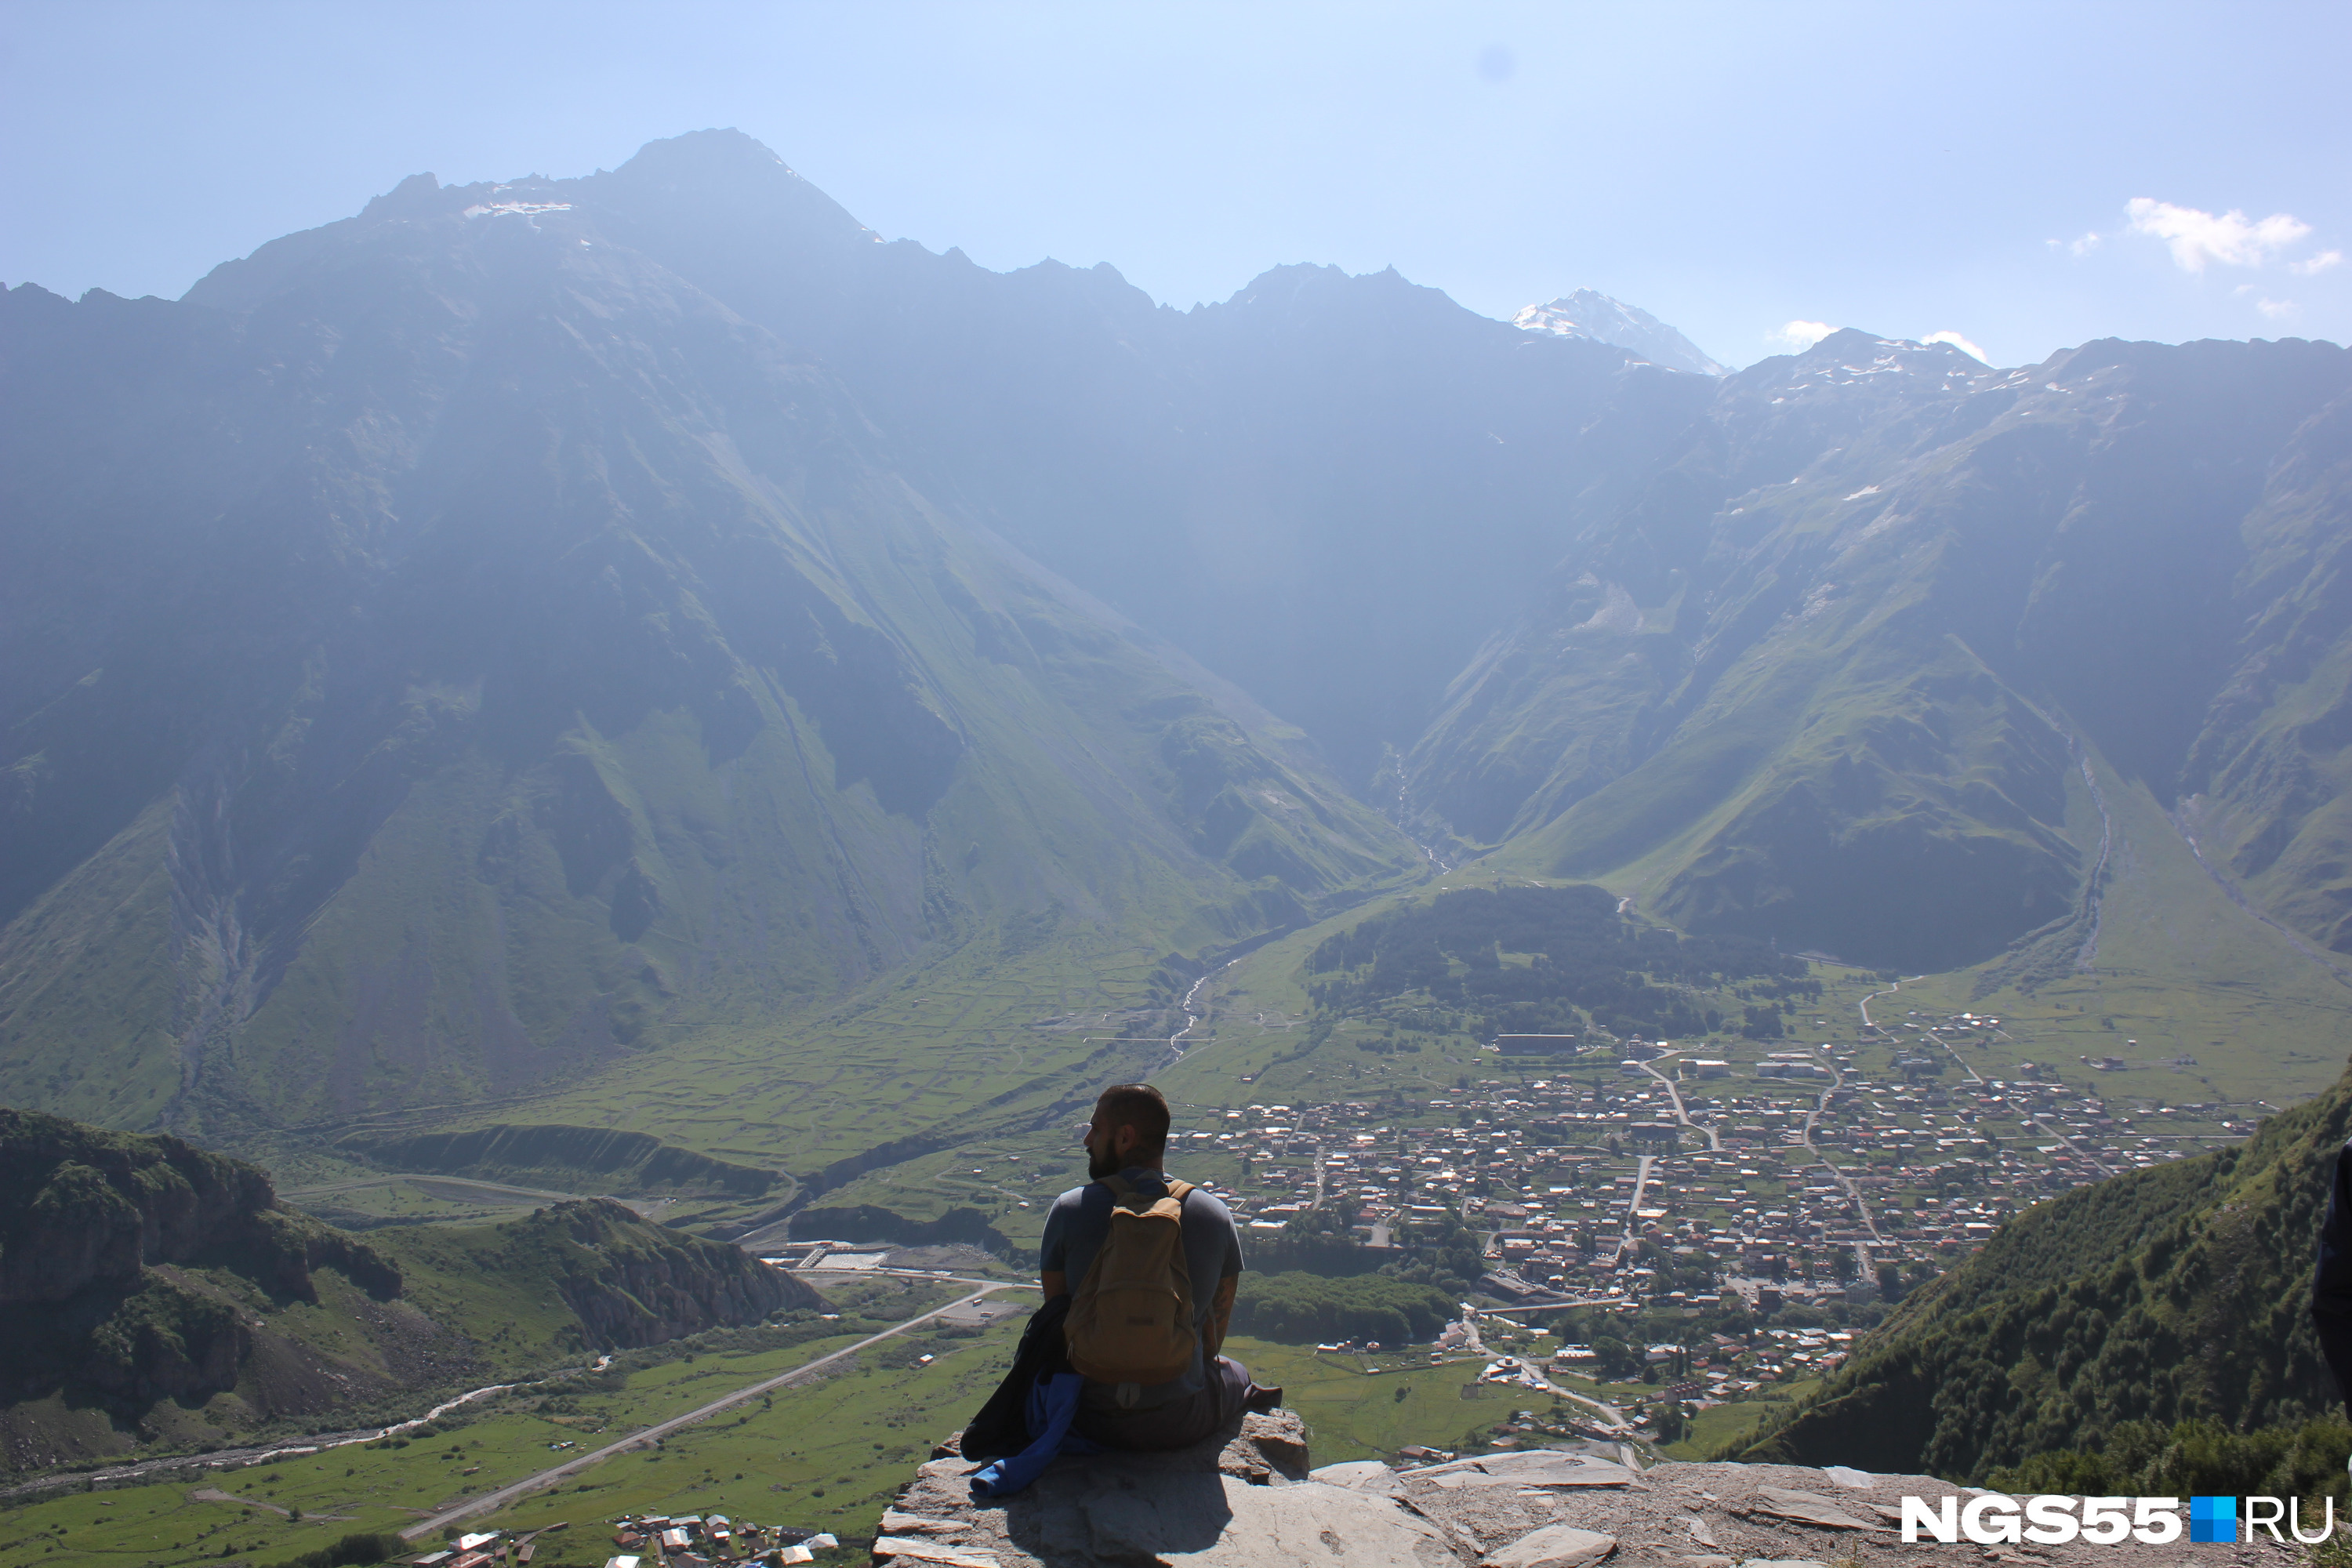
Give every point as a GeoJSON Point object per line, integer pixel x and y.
{"type": "Point", "coordinates": [1079, 1223]}
{"type": "Point", "coordinates": [1127, 1138]}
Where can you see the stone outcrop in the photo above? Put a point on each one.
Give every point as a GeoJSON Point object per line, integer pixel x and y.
{"type": "Point", "coordinates": [1239, 1499]}
{"type": "Point", "coordinates": [100, 1234]}
{"type": "Point", "coordinates": [634, 1283]}
{"type": "Point", "coordinates": [82, 1209]}
{"type": "Point", "coordinates": [1246, 1499]}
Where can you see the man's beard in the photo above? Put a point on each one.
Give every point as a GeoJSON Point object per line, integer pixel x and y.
{"type": "Point", "coordinates": [1101, 1165]}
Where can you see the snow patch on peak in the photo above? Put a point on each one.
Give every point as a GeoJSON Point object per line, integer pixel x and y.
{"type": "Point", "coordinates": [516, 209]}
{"type": "Point", "coordinates": [1589, 314]}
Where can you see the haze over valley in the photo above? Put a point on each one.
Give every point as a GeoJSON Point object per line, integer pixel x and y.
{"type": "Point", "coordinates": [595, 771]}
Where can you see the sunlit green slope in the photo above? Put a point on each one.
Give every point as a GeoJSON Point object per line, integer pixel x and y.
{"type": "Point", "coordinates": [485, 657]}
{"type": "Point", "coordinates": [1828, 677]}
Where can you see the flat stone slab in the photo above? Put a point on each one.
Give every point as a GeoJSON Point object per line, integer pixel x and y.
{"type": "Point", "coordinates": [895, 1523]}
{"type": "Point", "coordinates": [1321, 1526]}
{"type": "Point", "coordinates": [1555, 1546]}
{"type": "Point", "coordinates": [1359, 1474]}
{"type": "Point", "coordinates": [1528, 1468]}
{"type": "Point", "coordinates": [1805, 1508]}
{"type": "Point", "coordinates": [902, 1549]}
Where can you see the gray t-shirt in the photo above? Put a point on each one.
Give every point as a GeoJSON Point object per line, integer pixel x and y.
{"type": "Point", "coordinates": [1080, 1219]}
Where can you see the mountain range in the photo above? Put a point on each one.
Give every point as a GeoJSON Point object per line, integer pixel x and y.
{"type": "Point", "coordinates": [470, 648]}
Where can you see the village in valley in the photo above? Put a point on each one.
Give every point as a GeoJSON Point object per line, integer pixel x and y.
{"type": "Point", "coordinates": [1658, 1242]}
{"type": "Point", "coordinates": [1771, 1194]}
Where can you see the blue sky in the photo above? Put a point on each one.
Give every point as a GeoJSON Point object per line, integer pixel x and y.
{"type": "Point", "coordinates": [1910, 168]}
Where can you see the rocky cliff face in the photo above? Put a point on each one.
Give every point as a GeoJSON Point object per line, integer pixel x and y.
{"type": "Point", "coordinates": [1246, 1499]}
{"type": "Point", "coordinates": [148, 1293]}
{"type": "Point", "coordinates": [112, 1250]}
{"type": "Point", "coordinates": [634, 1283]}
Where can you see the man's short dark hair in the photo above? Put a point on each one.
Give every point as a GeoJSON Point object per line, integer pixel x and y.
{"type": "Point", "coordinates": [1139, 1106]}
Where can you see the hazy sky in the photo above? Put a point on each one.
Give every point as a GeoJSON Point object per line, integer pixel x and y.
{"type": "Point", "coordinates": [1911, 168]}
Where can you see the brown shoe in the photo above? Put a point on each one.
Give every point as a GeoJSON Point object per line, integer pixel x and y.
{"type": "Point", "coordinates": [1261, 1400]}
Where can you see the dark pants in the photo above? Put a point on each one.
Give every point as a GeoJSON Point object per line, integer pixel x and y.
{"type": "Point", "coordinates": [1178, 1423]}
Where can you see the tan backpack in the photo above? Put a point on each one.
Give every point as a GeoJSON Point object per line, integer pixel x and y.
{"type": "Point", "coordinates": [1131, 1318]}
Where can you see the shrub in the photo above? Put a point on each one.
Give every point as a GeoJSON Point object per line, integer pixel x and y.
{"type": "Point", "coordinates": [1301, 1308]}
{"type": "Point", "coordinates": [363, 1547]}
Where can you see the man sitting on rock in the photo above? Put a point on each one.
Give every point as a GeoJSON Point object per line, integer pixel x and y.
{"type": "Point", "coordinates": [1151, 1305]}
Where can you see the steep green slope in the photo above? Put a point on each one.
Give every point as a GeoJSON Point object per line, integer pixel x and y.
{"type": "Point", "coordinates": [2265, 781]}
{"type": "Point", "coordinates": [2174, 1293]}
{"type": "Point", "coordinates": [1825, 679]}
{"type": "Point", "coordinates": [597, 1159]}
{"type": "Point", "coordinates": [1325, 489]}
{"type": "Point", "coordinates": [485, 657]}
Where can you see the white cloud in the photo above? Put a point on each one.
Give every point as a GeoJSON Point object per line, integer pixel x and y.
{"type": "Point", "coordinates": [2275, 308]}
{"type": "Point", "coordinates": [1800, 335]}
{"type": "Point", "coordinates": [2198, 238]}
{"type": "Point", "coordinates": [1961, 344]}
{"type": "Point", "coordinates": [2082, 247]}
{"type": "Point", "coordinates": [2319, 263]}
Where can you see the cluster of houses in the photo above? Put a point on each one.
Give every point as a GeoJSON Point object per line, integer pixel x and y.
{"type": "Point", "coordinates": [709, 1539]}
{"type": "Point", "coordinates": [1930, 1158]}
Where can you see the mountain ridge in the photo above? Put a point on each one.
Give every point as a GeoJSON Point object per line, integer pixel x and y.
{"type": "Point", "coordinates": [881, 711]}
{"type": "Point", "coordinates": [462, 652]}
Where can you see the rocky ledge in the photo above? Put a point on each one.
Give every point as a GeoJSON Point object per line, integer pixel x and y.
{"type": "Point", "coordinates": [1248, 1498]}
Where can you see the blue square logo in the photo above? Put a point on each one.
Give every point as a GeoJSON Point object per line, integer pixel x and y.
{"type": "Point", "coordinates": [2213, 1519]}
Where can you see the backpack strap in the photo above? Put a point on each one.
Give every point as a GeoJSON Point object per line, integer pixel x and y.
{"type": "Point", "coordinates": [1122, 1189]}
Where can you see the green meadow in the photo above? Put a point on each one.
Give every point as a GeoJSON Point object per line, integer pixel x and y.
{"type": "Point", "coordinates": [823, 1454]}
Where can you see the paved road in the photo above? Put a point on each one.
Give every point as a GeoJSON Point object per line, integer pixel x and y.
{"type": "Point", "coordinates": [1642, 1164]}
{"type": "Point", "coordinates": [1853, 1193]}
{"type": "Point", "coordinates": [1477, 1346]}
{"type": "Point", "coordinates": [1615, 1417]}
{"type": "Point", "coordinates": [1674, 1092]}
{"type": "Point", "coordinates": [492, 1502]}
{"type": "Point", "coordinates": [1937, 1039]}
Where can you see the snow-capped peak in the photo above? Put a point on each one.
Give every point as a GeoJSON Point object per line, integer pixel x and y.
{"type": "Point", "coordinates": [1588, 314]}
